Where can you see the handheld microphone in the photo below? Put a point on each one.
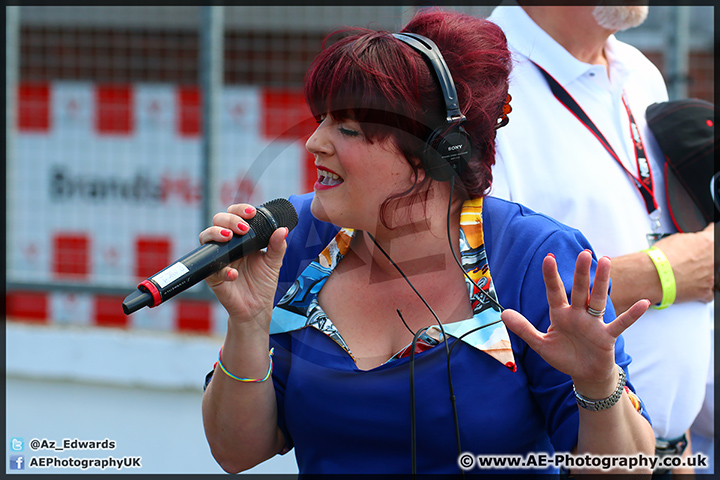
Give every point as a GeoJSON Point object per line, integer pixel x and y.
{"type": "Point", "coordinates": [207, 259]}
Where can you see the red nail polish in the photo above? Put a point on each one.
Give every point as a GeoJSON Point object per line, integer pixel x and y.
{"type": "Point", "coordinates": [225, 233]}
{"type": "Point", "coordinates": [551, 255]}
{"type": "Point", "coordinates": [243, 227]}
{"type": "Point", "coordinates": [249, 210]}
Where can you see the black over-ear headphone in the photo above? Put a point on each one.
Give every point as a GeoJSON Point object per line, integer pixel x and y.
{"type": "Point", "coordinates": [447, 150]}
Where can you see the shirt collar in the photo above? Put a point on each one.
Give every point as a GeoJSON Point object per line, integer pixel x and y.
{"type": "Point", "coordinates": [528, 41]}
{"type": "Point", "coordinates": [484, 330]}
{"type": "Point", "coordinates": [619, 70]}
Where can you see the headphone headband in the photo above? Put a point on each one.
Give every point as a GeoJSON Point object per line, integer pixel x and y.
{"type": "Point", "coordinates": [431, 52]}
{"type": "Point", "coordinates": [448, 149]}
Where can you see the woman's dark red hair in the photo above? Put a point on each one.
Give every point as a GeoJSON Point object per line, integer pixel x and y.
{"type": "Point", "coordinates": [390, 89]}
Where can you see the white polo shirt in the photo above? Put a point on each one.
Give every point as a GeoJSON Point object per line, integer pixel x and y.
{"type": "Point", "coordinates": [549, 161]}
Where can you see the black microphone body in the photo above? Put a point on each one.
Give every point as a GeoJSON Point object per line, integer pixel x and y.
{"type": "Point", "coordinates": [207, 259]}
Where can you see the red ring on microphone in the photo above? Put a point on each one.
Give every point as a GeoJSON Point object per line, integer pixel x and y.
{"type": "Point", "coordinates": [153, 291]}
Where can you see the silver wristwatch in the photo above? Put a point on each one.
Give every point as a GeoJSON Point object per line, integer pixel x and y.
{"type": "Point", "coordinates": [605, 403]}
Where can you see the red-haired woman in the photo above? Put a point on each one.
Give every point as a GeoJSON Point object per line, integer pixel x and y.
{"type": "Point", "coordinates": [384, 354]}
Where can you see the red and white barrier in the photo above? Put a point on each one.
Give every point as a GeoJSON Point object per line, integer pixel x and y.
{"type": "Point", "coordinates": [70, 308]}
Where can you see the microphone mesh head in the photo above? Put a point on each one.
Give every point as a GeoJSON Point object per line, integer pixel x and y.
{"type": "Point", "coordinates": [273, 215]}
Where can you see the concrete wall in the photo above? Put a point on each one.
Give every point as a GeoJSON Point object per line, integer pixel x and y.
{"type": "Point", "coordinates": [142, 390]}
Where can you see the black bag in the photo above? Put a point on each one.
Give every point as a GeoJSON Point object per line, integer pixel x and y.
{"type": "Point", "coordinates": [685, 131]}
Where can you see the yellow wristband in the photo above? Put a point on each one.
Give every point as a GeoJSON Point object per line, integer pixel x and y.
{"type": "Point", "coordinates": [667, 278]}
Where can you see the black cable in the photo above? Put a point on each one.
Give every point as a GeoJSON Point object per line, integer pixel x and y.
{"type": "Point", "coordinates": [404, 322]}
{"type": "Point", "coordinates": [457, 260]}
{"type": "Point", "coordinates": [413, 433]}
{"type": "Point", "coordinates": [408, 282]}
{"type": "Point", "coordinates": [492, 300]}
{"type": "Point", "coordinates": [412, 359]}
{"type": "Point", "coordinates": [450, 384]}
{"type": "Point", "coordinates": [448, 350]}
{"type": "Point", "coordinates": [471, 331]}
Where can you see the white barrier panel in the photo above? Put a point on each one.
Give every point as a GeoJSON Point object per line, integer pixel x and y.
{"type": "Point", "coordinates": [95, 188]}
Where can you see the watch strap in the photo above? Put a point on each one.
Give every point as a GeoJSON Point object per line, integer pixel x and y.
{"type": "Point", "coordinates": [605, 403]}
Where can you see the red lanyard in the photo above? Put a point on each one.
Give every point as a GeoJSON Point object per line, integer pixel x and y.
{"type": "Point", "coordinates": [643, 182]}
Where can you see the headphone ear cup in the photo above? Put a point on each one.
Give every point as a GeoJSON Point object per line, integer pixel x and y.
{"type": "Point", "coordinates": [447, 153]}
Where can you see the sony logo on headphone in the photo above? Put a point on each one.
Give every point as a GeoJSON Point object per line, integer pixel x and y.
{"type": "Point", "coordinates": [455, 147]}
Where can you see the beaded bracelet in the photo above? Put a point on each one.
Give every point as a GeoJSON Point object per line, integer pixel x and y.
{"type": "Point", "coordinates": [248, 380]}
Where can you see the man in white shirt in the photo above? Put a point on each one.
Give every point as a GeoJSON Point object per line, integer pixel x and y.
{"type": "Point", "coordinates": [550, 159]}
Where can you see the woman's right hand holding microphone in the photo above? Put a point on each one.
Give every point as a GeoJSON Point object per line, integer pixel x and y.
{"type": "Point", "coordinates": [246, 287]}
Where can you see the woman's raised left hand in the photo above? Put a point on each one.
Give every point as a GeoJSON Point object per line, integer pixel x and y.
{"type": "Point", "coordinates": [578, 343]}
